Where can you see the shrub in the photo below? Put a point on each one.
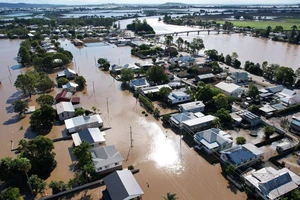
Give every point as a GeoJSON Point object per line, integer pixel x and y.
{"type": "Point", "coordinates": [146, 103]}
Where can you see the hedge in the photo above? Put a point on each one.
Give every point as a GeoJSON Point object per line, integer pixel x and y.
{"type": "Point", "coordinates": [146, 103]}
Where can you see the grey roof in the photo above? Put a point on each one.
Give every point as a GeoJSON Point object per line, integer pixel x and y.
{"type": "Point", "coordinates": [275, 89]}
{"type": "Point", "coordinates": [90, 135]}
{"type": "Point", "coordinates": [106, 155]}
{"type": "Point", "coordinates": [64, 107]}
{"type": "Point", "coordinates": [278, 106]}
{"type": "Point", "coordinates": [205, 76]}
{"type": "Point", "coordinates": [139, 82]}
{"type": "Point", "coordinates": [122, 184]}
{"type": "Point", "coordinates": [245, 114]}
{"type": "Point", "coordinates": [239, 75]}
{"type": "Point", "coordinates": [181, 117]}
{"type": "Point", "coordinates": [287, 92]}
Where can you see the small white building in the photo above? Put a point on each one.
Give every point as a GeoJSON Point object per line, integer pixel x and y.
{"type": "Point", "coordinates": [271, 184]}
{"type": "Point", "coordinates": [65, 110]}
{"type": "Point", "coordinates": [178, 97]}
{"type": "Point", "coordinates": [198, 124]}
{"type": "Point", "coordinates": [93, 136]}
{"type": "Point", "coordinates": [213, 140]}
{"type": "Point", "coordinates": [68, 73]}
{"type": "Point", "coordinates": [195, 106]}
{"type": "Point", "coordinates": [139, 83]}
{"type": "Point", "coordinates": [79, 123]}
{"type": "Point", "coordinates": [70, 87]}
{"type": "Point", "coordinates": [242, 155]}
{"type": "Point", "coordinates": [121, 185]}
{"type": "Point", "coordinates": [230, 89]}
{"type": "Point", "coordinates": [106, 159]}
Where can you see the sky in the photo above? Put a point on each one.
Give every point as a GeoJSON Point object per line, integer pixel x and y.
{"type": "Point", "coordinates": [86, 2]}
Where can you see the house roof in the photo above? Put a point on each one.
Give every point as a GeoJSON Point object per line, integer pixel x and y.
{"type": "Point", "coordinates": [198, 121]}
{"type": "Point", "coordinates": [273, 183]}
{"type": "Point", "coordinates": [122, 184]}
{"type": "Point", "coordinates": [287, 93]}
{"type": "Point", "coordinates": [181, 117]}
{"type": "Point", "coordinates": [205, 76]}
{"type": "Point", "coordinates": [74, 122]}
{"type": "Point", "coordinates": [154, 89]}
{"type": "Point", "coordinates": [267, 109]}
{"type": "Point", "coordinates": [247, 115]}
{"type": "Point", "coordinates": [177, 94]}
{"type": "Point", "coordinates": [105, 155]}
{"type": "Point", "coordinates": [291, 100]}
{"type": "Point", "coordinates": [90, 135]}
{"type": "Point", "coordinates": [275, 89]}
{"type": "Point", "coordinates": [75, 100]}
{"type": "Point", "coordinates": [64, 107]}
{"type": "Point", "coordinates": [63, 95]}
{"type": "Point", "coordinates": [93, 118]}
{"type": "Point", "coordinates": [70, 85]}
{"type": "Point", "coordinates": [70, 70]}
{"type": "Point", "coordinates": [139, 82]}
{"type": "Point", "coordinates": [239, 75]}
{"type": "Point", "coordinates": [228, 87]}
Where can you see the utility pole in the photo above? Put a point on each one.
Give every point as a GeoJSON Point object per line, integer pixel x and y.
{"type": "Point", "coordinates": [93, 87]}
{"type": "Point", "coordinates": [131, 140]}
{"type": "Point", "coordinates": [107, 106]}
{"type": "Point", "coordinates": [9, 70]}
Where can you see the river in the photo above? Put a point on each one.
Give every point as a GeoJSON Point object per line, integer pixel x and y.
{"type": "Point", "coordinates": [247, 47]}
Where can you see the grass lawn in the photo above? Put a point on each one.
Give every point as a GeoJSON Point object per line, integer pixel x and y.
{"type": "Point", "coordinates": [285, 23]}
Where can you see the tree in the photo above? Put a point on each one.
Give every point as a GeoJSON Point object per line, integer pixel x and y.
{"type": "Point", "coordinates": [216, 123]}
{"type": "Point", "coordinates": [156, 75]}
{"type": "Point", "coordinates": [220, 101]}
{"type": "Point", "coordinates": [285, 75]}
{"type": "Point", "coordinates": [236, 64]}
{"type": "Point", "coordinates": [170, 196]}
{"type": "Point", "coordinates": [106, 66]}
{"type": "Point", "coordinates": [264, 66]}
{"type": "Point", "coordinates": [79, 111]}
{"type": "Point", "coordinates": [164, 92]}
{"type": "Point", "coordinates": [179, 42]}
{"type": "Point", "coordinates": [39, 152]}
{"type": "Point", "coordinates": [254, 109]}
{"type": "Point", "coordinates": [168, 40]}
{"type": "Point", "coordinates": [196, 45]}
{"type": "Point", "coordinates": [126, 75]}
{"type": "Point", "coordinates": [212, 54]}
{"type": "Point", "coordinates": [26, 82]}
{"type": "Point", "coordinates": [80, 80]}
{"type": "Point", "coordinates": [43, 83]}
{"type": "Point", "coordinates": [224, 116]}
{"type": "Point", "coordinates": [267, 32]}
{"type": "Point", "coordinates": [241, 140]}
{"type": "Point", "coordinates": [20, 106]}
{"type": "Point", "coordinates": [37, 184]}
{"type": "Point", "coordinates": [83, 155]}
{"type": "Point", "coordinates": [37, 63]}
{"type": "Point", "coordinates": [62, 81]}
{"type": "Point", "coordinates": [295, 194]}
{"type": "Point", "coordinates": [252, 90]}
{"type": "Point", "coordinates": [10, 193]}
{"type": "Point", "coordinates": [204, 93]}
{"type": "Point", "coordinates": [45, 99]}
{"type": "Point", "coordinates": [228, 60]}
{"type": "Point", "coordinates": [230, 169]}
{"type": "Point", "coordinates": [269, 130]}
{"type": "Point", "coordinates": [297, 73]}
{"type": "Point", "coordinates": [58, 186]}
{"type": "Point", "coordinates": [228, 26]}
{"type": "Point", "coordinates": [270, 71]}
{"type": "Point", "coordinates": [42, 118]}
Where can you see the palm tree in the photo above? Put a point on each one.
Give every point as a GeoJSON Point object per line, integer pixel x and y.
{"type": "Point", "coordinates": [294, 27]}
{"type": "Point", "coordinates": [170, 196]}
{"type": "Point", "coordinates": [179, 42]}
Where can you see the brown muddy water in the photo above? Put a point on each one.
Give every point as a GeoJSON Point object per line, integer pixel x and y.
{"type": "Point", "coordinates": [165, 162]}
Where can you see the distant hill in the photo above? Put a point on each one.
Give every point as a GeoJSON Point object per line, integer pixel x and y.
{"type": "Point", "coordinates": [174, 4]}
{"type": "Point", "coordinates": [25, 5]}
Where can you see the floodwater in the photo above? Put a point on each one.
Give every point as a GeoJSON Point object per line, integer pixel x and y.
{"type": "Point", "coordinates": [247, 47]}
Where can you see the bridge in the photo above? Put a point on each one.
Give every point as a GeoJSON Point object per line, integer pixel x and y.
{"type": "Point", "coordinates": [187, 32]}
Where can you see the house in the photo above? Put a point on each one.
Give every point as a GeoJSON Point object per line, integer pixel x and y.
{"type": "Point", "coordinates": [70, 87]}
{"type": "Point", "coordinates": [249, 117]}
{"type": "Point", "coordinates": [132, 67]}
{"type": "Point", "coordinates": [230, 89]}
{"type": "Point", "coordinates": [295, 124]}
{"type": "Point", "coordinates": [286, 93]}
{"type": "Point", "coordinates": [106, 159]}
{"type": "Point", "coordinates": [177, 119]}
{"type": "Point", "coordinates": [213, 140]}
{"type": "Point", "coordinates": [198, 124]}
{"type": "Point", "coordinates": [275, 89]}
{"type": "Point", "coordinates": [154, 89]}
{"type": "Point", "coordinates": [270, 183]}
{"type": "Point", "coordinates": [195, 106]}
{"type": "Point", "coordinates": [205, 77]}
{"type": "Point", "coordinates": [65, 110]}
{"type": "Point", "coordinates": [139, 83]}
{"type": "Point", "coordinates": [242, 155]}
{"type": "Point", "coordinates": [63, 96]}
{"type": "Point", "coordinates": [78, 42]}
{"type": "Point", "coordinates": [115, 68]}
{"type": "Point", "coordinates": [75, 100]}
{"type": "Point", "coordinates": [291, 100]}
{"type": "Point", "coordinates": [284, 146]}
{"type": "Point", "coordinates": [121, 185]}
{"type": "Point", "coordinates": [178, 97]}
{"type": "Point", "coordinates": [91, 135]}
{"type": "Point", "coordinates": [68, 73]}
{"type": "Point", "coordinates": [239, 77]}
{"type": "Point", "coordinates": [79, 123]}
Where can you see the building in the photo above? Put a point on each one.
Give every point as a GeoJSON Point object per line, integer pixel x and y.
{"type": "Point", "coordinates": [70, 87]}
{"type": "Point", "coordinates": [249, 117]}
{"type": "Point", "coordinates": [239, 77]}
{"type": "Point", "coordinates": [154, 89]}
{"type": "Point", "coordinates": [242, 155]}
{"type": "Point", "coordinates": [68, 73]}
{"type": "Point", "coordinates": [78, 42]}
{"type": "Point", "coordinates": [205, 77]}
{"type": "Point", "coordinates": [79, 123]}
{"type": "Point", "coordinates": [295, 124]}
{"type": "Point", "coordinates": [198, 124]}
{"type": "Point", "coordinates": [63, 96]}
{"type": "Point", "coordinates": [270, 183]}
{"type": "Point", "coordinates": [106, 159]}
{"type": "Point", "coordinates": [213, 140]}
{"type": "Point", "coordinates": [275, 89]}
{"type": "Point", "coordinates": [177, 119]}
{"type": "Point", "coordinates": [121, 185]}
{"type": "Point", "coordinates": [91, 135]}
{"type": "Point", "coordinates": [195, 106]}
{"type": "Point", "coordinates": [178, 97]}
{"type": "Point", "coordinates": [65, 110]}
{"type": "Point", "coordinates": [230, 89]}
{"type": "Point", "coordinates": [139, 83]}
{"type": "Point", "coordinates": [290, 100]}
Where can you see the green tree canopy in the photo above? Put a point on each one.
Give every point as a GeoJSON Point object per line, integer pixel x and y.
{"type": "Point", "coordinates": [10, 193]}
{"type": "Point", "coordinates": [285, 75]}
{"type": "Point", "coordinates": [156, 75]}
{"type": "Point", "coordinates": [269, 130]}
{"type": "Point", "coordinates": [58, 186]}
{"type": "Point", "coordinates": [42, 118]}
{"type": "Point", "coordinates": [37, 184]}
{"type": "Point", "coordinates": [224, 116]}
{"type": "Point", "coordinates": [170, 196]}
{"type": "Point", "coordinates": [220, 101]}
{"type": "Point", "coordinates": [20, 106]}
{"type": "Point", "coordinates": [196, 45]}
{"type": "Point", "coordinates": [45, 99]}
{"type": "Point", "coordinates": [230, 169]}
{"type": "Point", "coordinates": [26, 83]}
{"type": "Point", "coordinates": [80, 80]}
{"type": "Point", "coordinates": [44, 83]}
{"type": "Point", "coordinates": [252, 90]}
{"type": "Point", "coordinates": [62, 81]}
{"type": "Point", "coordinates": [241, 140]}
{"type": "Point", "coordinates": [126, 75]}
{"type": "Point", "coordinates": [164, 92]}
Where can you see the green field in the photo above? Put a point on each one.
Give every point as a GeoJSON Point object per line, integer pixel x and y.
{"type": "Point", "coordinates": [285, 23]}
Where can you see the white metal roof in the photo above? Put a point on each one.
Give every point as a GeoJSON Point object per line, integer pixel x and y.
{"type": "Point", "coordinates": [90, 135]}
{"type": "Point", "coordinates": [228, 87]}
{"type": "Point", "coordinates": [198, 121]}
{"type": "Point", "coordinates": [64, 107]}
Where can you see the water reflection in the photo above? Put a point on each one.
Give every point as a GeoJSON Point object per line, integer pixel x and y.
{"type": "Point", "coordinates": [162, 148]}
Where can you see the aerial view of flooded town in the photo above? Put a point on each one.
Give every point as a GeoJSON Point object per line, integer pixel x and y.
{"type": "Point", "coordinates": [164, 100]}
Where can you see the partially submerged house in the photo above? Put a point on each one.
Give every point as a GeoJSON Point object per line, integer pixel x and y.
{"type": "Point", "coordinates": [106, 159]}
{"type": "Point", "coordinates": [65, 110]}
{"type": "Point", "coordinates": [154, 89]}
{"type": "Point", "coordinates": [79, 123]}
{"type": "Point", "coordinates": [178, 97]}
{"type": "Point", "coordinates": [70, 87]}
{"type": "Point", "coordinates": [195, 106]}
{"type": "Point", "coordinates": [295, 124]}
{"type": "Point", "coordinates": [68, 73]}
{"type": "Point", "coordinates": [121, 185]}
{"type": "Point", "coordinates": [213, 140]}
{"type": "Point", "coordinates": [230, 89]}
{"type": "Point", "coordinates": [139, 83]}
{"type": "Point", "coordinates": [198, 124]}
{"type": "Point", "coordinates": [270, 183]}
{"type": "Point", "coordinates": [63, 96]}
{"type": "Point", "coordinates": [242, 155]}
{"type": "Point", "coordinates": [93, 136]}
{"type": "Point", "coordinates": [178, 118]}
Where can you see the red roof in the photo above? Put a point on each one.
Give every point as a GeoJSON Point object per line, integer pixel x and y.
{"type": "Point", "coordinates": [75, 100]}
{"type": "Point", "coordinates": [63, 96]}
